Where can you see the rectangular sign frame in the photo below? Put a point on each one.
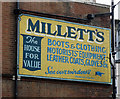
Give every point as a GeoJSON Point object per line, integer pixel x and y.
{"type": "Point", "coordinates": [44, 43]}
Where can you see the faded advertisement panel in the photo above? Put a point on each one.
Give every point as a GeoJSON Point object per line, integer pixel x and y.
{"type": "Point", "coordinates": [57, 49]}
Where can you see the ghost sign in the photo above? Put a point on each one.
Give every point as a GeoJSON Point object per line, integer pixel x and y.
{"type": "Point", "coordinates": [56, 49]}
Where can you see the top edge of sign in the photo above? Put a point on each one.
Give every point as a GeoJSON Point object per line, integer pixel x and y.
{"type": "Point", "coordinates": [60, 20]}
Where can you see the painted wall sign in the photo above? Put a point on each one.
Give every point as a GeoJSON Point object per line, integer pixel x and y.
{"type": "Point", "coordinates": [57, 49]}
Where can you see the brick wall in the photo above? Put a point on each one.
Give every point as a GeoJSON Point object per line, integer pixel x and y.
{"type": "Point", "coordinates": [71, 9]}
{"type": "Point", "coordinates": [9, 38]}
{"type": "Point", "coordinates": [31, 87]}
{"type": "Point", "coordinates": [0, 49]}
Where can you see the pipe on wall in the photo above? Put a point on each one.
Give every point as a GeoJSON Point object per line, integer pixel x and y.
{"type": "Point", "coordinates": [16, 82]}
